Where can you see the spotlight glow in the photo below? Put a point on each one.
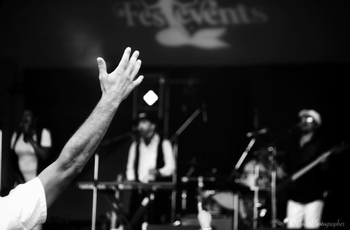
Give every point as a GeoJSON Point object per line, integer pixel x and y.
{"type": "Point", "coordinates": [150, 97]}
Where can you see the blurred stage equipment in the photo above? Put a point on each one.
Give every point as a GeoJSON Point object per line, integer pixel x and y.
{"type": "Point", "coordinates": [94, 187]}
{"type": "Point", "coordinates": [109, 188]}
{"type": "Point", "coordinates": [174, 140]}
{"type": "Point", "coordinates": [263, 186]}
{"type": "Point", "coordinates": [219, 198]}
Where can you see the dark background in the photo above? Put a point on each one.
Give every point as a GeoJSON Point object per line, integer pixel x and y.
{"type": "Point", "coordinates": [298, 60]}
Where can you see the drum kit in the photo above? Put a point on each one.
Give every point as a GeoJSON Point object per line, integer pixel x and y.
{"type": "Point", "coordinates": [247, 194]}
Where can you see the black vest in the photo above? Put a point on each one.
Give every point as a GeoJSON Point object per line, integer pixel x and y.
{"type": "Point", "coordinates": [159, 164]}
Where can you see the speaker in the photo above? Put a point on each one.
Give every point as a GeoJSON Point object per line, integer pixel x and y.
{"type": "Point", "coordinates": [170, 227]}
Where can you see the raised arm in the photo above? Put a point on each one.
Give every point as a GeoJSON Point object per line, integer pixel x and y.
{"type": "Point", "coordinates": [115, 87]}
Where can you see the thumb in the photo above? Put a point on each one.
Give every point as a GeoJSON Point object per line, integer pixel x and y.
{"type": "Point", "coordinates": [101, 66]}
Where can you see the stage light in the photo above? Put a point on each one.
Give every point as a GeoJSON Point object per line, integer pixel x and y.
{"type": "Point", "coordinates": [150, 97]}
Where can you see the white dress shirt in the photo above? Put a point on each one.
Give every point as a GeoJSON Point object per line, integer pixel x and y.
{"type": "Point", "coordinates": [148, 159]}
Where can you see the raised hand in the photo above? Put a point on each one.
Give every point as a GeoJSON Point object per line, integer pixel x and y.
{"type": "Point", "coordinates": [118, 84]}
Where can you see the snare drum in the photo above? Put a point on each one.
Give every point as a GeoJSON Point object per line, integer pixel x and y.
{"type": "Point", "coordinates": [225, 203]}
{"type": "Point", "coordinates": [224, 199]}
{"type": "Point", "coordinates": [218, 202]}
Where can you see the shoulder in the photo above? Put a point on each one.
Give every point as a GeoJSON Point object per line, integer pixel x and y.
{"type": "Point", "coordinates": [161, 138]}
{"type": "Point", "coordinates": [14, 135]}
{"type": "Point", "coordinates": [134, 144]}
{"type": "Point", "coordinates": [166, 143]}
{"type": "Point", "coordinates": [45, 131]}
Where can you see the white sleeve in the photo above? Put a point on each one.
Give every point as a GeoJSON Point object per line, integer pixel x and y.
{"type": "Point", "coordinates": [46, 138]}
{"type": "Point", "coordinates": [130, 171]}
{"type": "Point", "coordinates": [24, 207]}
{"type": "Point", "coordinates": [13, 138]}
{"type": "Point", "coordinates": [169, 160]}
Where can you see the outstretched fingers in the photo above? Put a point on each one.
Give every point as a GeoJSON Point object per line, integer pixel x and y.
{"type": "Point", "coordinates": [125, 59]}
{"type": "Point", "coordinates": [135, 69]}
{"type": "Point", "coordinates": [133, 64]}
{"type": "Point", "coordinates": [124, 74]}
{"type": "Point", "coordinates": [138, 80]}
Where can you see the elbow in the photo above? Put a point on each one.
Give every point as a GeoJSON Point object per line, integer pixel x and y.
{"type": "Point", "coordinates": [70, 167]}
{"type": "Point", "coordinates": [167, 172]}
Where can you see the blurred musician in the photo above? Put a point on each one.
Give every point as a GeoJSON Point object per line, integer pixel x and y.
{"type": "Point", "coordinates": [150, 159]}
{"type": "Point", "coordinates": [31, 146]}
{"type": "Point", "coordinates": [306, 196]}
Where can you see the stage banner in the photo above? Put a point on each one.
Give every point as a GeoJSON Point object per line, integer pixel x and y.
{"type": "Point", "coordinates": [174, 32]}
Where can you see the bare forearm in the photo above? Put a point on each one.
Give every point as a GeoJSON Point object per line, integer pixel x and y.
{"type": "Point", "coordinates": [78, 150]}
{"type": "Point", "coordinates": [84, 142]}
{"type": "Point", "coordinates": [115, 87]}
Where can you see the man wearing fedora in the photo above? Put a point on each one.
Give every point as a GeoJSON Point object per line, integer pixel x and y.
{"type": "Point", "coordinates": [150, 159]}
{"type": "Point", "coordinates": [306, 195]}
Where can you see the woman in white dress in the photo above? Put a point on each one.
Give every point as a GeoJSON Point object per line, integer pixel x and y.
{"type": "Point", "coordinates": [31, 147]}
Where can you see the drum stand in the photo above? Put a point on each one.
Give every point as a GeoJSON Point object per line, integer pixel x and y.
{"type": "Point", "coordinates": [273, 186]}
{"type": "Point", "coordinates": [256, 196]}
{"type": "Point", "coordinates": [236, 198]}
{"type": "Point", "coordinates": [272, 159]}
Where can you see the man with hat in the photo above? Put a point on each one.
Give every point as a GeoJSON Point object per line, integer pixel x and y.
{"type": "Point", "coordinates": [306, 196]}
{"type": "Point", "coordinates": [150, 159]}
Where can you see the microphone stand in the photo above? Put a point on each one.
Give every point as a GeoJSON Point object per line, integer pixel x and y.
{"type": "Point", "coordinates": [174, 140]}
{"type": "Point", "coordinates": [273, 151]}
{"type": "Point", "coordinates": [273, 186]}
{"type": "Point", "coordinates": [96, 165]}
{"type": "Point", "coordinates": [184, 192]}
{"type": "Point", "coordinates": [241, 159]}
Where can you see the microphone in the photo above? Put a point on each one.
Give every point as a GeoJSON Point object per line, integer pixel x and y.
{"type": "Point", "coordinates": [257, 133]}
{"type": "Point", "coordinates": [204, 113]}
